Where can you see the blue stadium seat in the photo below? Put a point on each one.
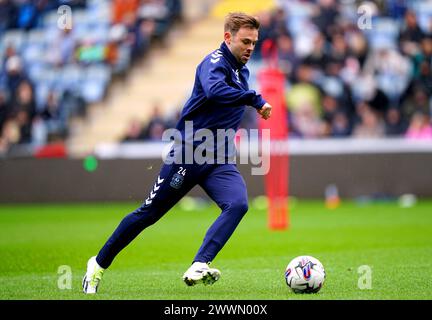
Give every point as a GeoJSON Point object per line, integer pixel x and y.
{"type": "Point", "coordinates": [92, 91]}
{"type": "Point", "coordinates": [81, 31]}
{"type": "Point", "coordinates": [100, 10]}
{"type": "Point", "coordinates": [41, 94]}
{"type": "Point", "coordinates": [32, 53]}
{"type": "Point", "coordinates": [81, 16]}
{"type": "Point", "coordinates": [36, 36]}
{"type": "Point", "coordinates": [50, 33]}
{"type": "Point", "coordinates": [15, 38]}
{"type": "Point", "coordinates": [50, 19]}
{"type": "Point", "coordinates": [298, 14]}
{"type": "Point", "coordinates": [71, 76]}
{"type": "Point", "coordinates": [424, 16]}
{"type": "Point", "coordinates": [94, 86]}
{"type": "Point", "coordinates": [384, 33]}
{"type": "Point", "coordinates": [36, 70]}
{"type": "Point", "coordinates": [98, 33]}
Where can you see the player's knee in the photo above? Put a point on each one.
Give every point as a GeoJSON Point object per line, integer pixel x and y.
{"type": "Point", "coordinates": [240, 205]}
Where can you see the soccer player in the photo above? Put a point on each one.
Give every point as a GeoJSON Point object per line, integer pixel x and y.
{"type": "Point", "coordinates": [218, 101]}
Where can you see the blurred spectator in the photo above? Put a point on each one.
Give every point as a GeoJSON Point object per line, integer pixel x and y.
{"type": "Point", "coordinates": [358, 47]}
{"type": "Point", "coordinates": [422, 57]}
{"type": "Point", "coordinates": [24, 123]}
{"type": "Point", "coordinates": [379, 101]}
{"type": "Point", "coordinates": [4, 108]}
{"type": "Point", "coordinates": [304, 91]}
{"type": "Point", "coordinates": [173, 117]}
{"type": "Point", "coordinates": [391, 70]}
{"type": "Point", "coordinates": [330, 107]}
{"type": "Point", "coordinates": [72, 104]}
{"type": "Point", "coordinates": [350, 71]}
{"type": "Point", "coordinates": [39, 131]}
{"type": "Point", "coordinates": [338, 96]}
{"type": "Point", "coordinates": [130, 22]}
{"type": "Point", "coordinates": [7, 15]}
{"type": "Point", "coordinates": [10, 135]}
{"type": "Point", "coordinates": [395, 125]}
{"type": "Point", "coordinates": [365, 90]}
{"type": "Point", "coordinates": [154, 128]}
{"type": "Point", "coordinates": [156, 125]}
{"type": "Point", "coordinates": [318, 57]}
{"type": "Point", "coordinates": [156, 10]}
{"type": "Point", "coordinates": [16, 118]}
{"type": "Point", "coordinates": [116, 37]}
{"type": "Point", "coordinates": [279, 23]}
{"type": "Point", "coordinates": [155, 131]}
{"type": "Point", "coordinates": [417, 101]}
{"type": "Point", "coordinates": [288, 60]}
{"type": "Point", "coordinates": [424, 77]}
{"type": "Point", "coordinates": [53, 115]}
{"type": "Point", "coordinates": [411, 34]}
{"type": "Point", "coordinates": [121, 8]}
{"type": "Point", "coordinates": [304, 105]}
{"type": "Point", "coordinates": [420, 127]}
{"type": "Point", "coordinates": [370, 125]}
{"type": "Point", "coordinates": [340, 125]}
{"type": "Point", "coordinates": [306, 123]}
{"type": "Point", "coordinates": [144, 34]}
{"type": "Point", "coordinates": [10, 51]}
{"type": "Point", "coordinates": [266, 32]}
{"type": "Point", "coordinates": [24, 102]}
{"type": "Point", "coordinates": [338, 52]}
{"type": "Point", "coordinates": [325, 16]}
{"type": "Point", "coordinates": [134, 132]}
{"type": "Point", "coordinates": [15, 74]}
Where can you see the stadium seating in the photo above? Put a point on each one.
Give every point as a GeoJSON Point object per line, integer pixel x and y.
{"type": "Point", "coordinates": [80, 62]}
{"type": "Point", "coordinates": [382, 78]}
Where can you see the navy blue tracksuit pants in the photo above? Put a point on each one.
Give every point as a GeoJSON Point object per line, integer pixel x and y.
{"type": "Point", "coordinates": [222, 182]}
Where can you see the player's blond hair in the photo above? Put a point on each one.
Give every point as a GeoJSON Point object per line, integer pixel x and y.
{"type": "Point", "coordinates": [236, 20]}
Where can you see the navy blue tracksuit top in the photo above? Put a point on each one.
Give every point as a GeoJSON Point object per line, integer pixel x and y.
{"type": "Point", "coordinates": [220, 94]}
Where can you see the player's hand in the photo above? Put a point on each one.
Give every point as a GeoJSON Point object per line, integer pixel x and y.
{"type": "Point", "coordinates": [265, 111]}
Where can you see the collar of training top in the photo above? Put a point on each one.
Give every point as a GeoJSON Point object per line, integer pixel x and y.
{"type": "Point", "coordinates": [232, 60]}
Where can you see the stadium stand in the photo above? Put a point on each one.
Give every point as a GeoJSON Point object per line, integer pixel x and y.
{"type": "Point", "coordinates": [348, 79]}
{"type": "Point", "coordinates": [51, 72]}
{"type": "Point", "coordinates": [363, 76]}
{"type": "Point", "coordinates": [346, 76]}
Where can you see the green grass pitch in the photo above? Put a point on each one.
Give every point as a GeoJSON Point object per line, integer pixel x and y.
{"type": "Point", "coordinates": [396, 243]}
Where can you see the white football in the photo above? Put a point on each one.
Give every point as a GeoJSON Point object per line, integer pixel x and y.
{"type": "Point", "coordinates": [305, 274]}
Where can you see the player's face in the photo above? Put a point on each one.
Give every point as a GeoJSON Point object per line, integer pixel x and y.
{"type": "Point", "coordinates": [242, 44]}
